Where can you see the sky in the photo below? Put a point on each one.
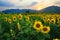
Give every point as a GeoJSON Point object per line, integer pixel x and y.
{"type": "Point", "coordinates": [27, 4]}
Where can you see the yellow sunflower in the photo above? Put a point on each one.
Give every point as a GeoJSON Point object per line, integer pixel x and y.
{"type": "Point", "coordinates": [45, 29]}
{"type": "Point", "coordinates": [56, 39]}
{"type": "Point", "coordinates": [9, 20]}
{"type": "Point", "coordinates": [20, 16]}
{"type": "Point", "coordinates": [58, 19]}
{"type": "Point", "coordinates": [44, 18]}
{"type": "Point", "coordinates": [27, 17]}
{"type": "Point", "coordinates": [19, 26]}
{"type": "Point", "coordinates": [48, 20]}
{"type": "Point", "coordinates": [53, 21]}
{"type": "Point", "coordinates": [14, 18]}
{"type": "Point", "coordinates": [52, 17]}
{"type": "Point", "coordinates": [37, 25]}
{"type": "Point", "coordinates": [5, 19]}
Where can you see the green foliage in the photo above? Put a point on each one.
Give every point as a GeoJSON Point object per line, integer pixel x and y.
{"type": "Point", "coordinates": [10, 31]}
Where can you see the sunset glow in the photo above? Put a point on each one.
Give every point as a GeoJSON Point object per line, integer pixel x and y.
{"type": "Point", "coordinates": [28, 4]}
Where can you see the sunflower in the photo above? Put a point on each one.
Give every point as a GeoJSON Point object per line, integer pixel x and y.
{"type": "Point", "coordinates": [27, 17]}
{"type": "Point", "coordinates": [37, 25]}
{"type": "Point", "coordinates": [58, 19]}
{"type": "Point", "coordinates": [45, 29]}
{"type": "Point", "coordinates": [52, 21]}
{"type": "Point", "coordinates": [5, 19]}
{"type": "Point", "coordinates": [20, 16]}
{"type": "Point", "coordinates": [52, 17]}
{"type": "Point", "coordinates": [14, 18]}
{"type": "Point", "coordinates": [44, 18]}
{"type": "Point", "coordinates": [18, 25]}
{"type": "Point", "coordinates": [56, 39]}
{"type": "Point", "coordinates": [9, 20]}
{"type": "Point", "coordinates": [48, 20]}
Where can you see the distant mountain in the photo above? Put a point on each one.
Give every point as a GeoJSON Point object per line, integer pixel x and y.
{"type": "Point", "coordinates": [18, 11]}
{"type": "Point", "coordinates": [51, 9]}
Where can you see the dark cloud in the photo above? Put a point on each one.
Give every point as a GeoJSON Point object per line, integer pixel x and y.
{"type": "Point", "coordinates": [33, 3]}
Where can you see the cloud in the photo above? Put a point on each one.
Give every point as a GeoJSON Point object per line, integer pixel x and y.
{"type": "Point", "coordinates": [20, 2]}
{"type": "Point", "coordinates": [45, 3]}
{"type": "Point", "coordinates": [31, 4]}
{"type": "Point", "coordinates": [4, 8]}
{"type": "Point", "coordinates": [28, 2]}
{"type": "Point", "coordinates": [7, 4]}
{"type": "Point", "coordinates": [57, 3]}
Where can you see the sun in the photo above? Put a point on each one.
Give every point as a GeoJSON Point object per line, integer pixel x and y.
{"type": "Point", "coordinates": [39, 8]}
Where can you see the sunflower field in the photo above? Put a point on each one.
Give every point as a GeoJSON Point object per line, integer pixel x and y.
{"type": "Point", "coordinates": [29, 26]}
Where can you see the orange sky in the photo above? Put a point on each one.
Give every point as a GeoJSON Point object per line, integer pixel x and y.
{"type": "Point", "coordinates": [27, 4]}
{"type": "Point", "coordinates": [40, 6]}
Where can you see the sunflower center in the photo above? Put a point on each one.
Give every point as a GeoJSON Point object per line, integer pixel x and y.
{"type": "Point", "coordinates": [59, 19]}
{"type": "Point", "coordinates": [9, 20]}
{"type": "Point", "coordinates": [14, 18]}
{"type": "Point", "coordinates": [5, 18]}
{"type": "Point", "coordinates": [52, 21]}
{"type": "Point", "coordinates": [45, 29]}
{"type": "Point", "coordinates": [44, 18]}
{"type": "Point", "coordinates": [19, 16]}
{"type": "Point", "coordinates": [37, 25]}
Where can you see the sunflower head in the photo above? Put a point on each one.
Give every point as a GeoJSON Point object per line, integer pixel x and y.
{"type": "Point", "coordinates": [9, 20]}
{"type": "Point", "coordinates": [37, 25]}
{"type": "Point", "coordinates": [53, 21]}
{"type": "Point", "coordinates": [58, 19]}
{"type": "Point", "coordinates": [45, 29]}
{"type": "Point", "coordinates": [14, 18]}
{"type": "Point", "coordinates": [44, 18]}
{"type": "Point", "coordinates": [27, 17]}
{"type": "Point", "coordinates": [20, 16]}
{"type": "Point", "coordinates": [5, 19]}
{"type": "Point", "coordinates": [48, 20]}
{"type": "Point", "coordinates": [52, 17]}
{"type": "Point", "coordinates": [18, 26]}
